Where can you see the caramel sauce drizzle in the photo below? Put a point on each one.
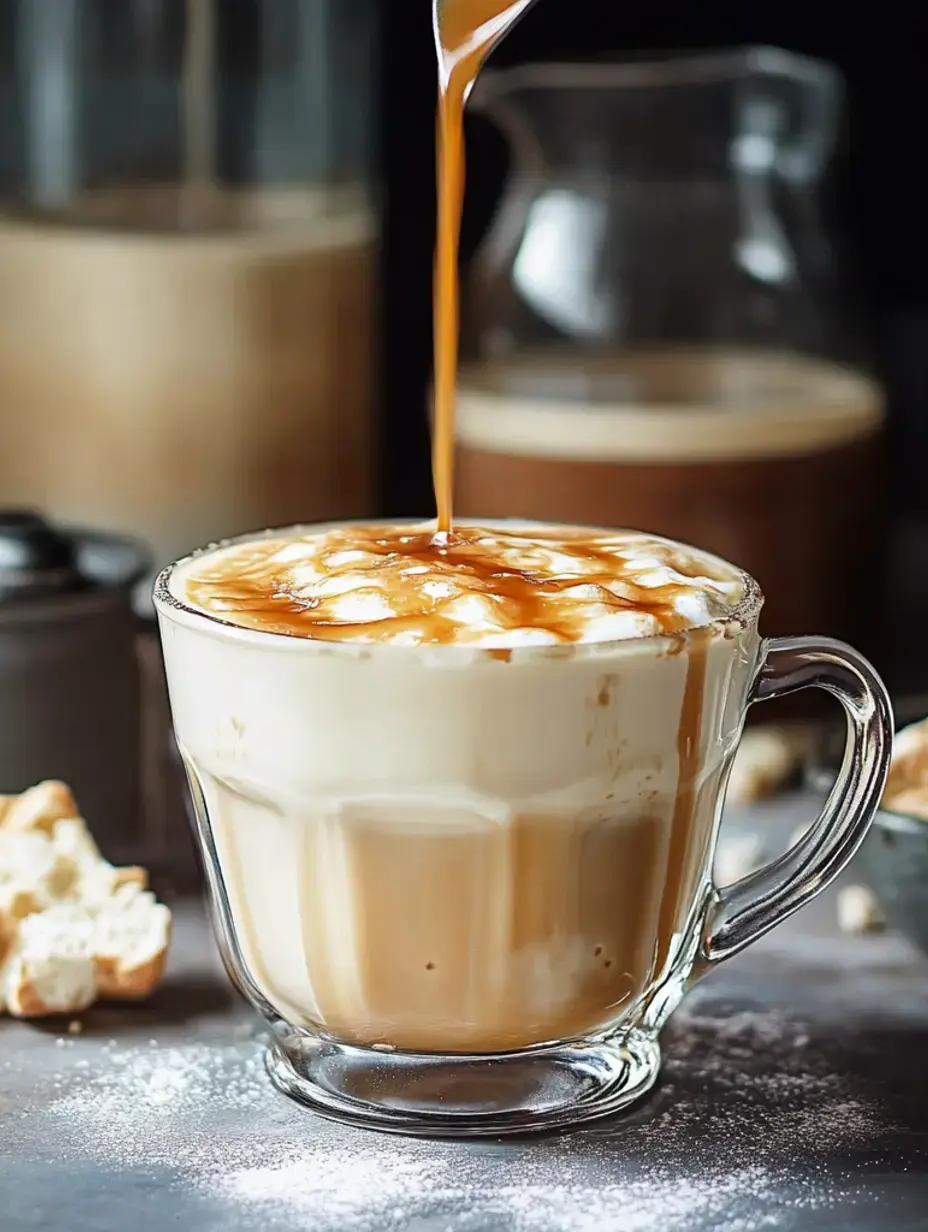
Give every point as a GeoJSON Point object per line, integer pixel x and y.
{"type": "Point", "coordinates": [251, 588]}
{"type": "Point", "coordinates": [465, 33]}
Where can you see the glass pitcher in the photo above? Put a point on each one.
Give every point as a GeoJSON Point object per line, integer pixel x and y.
{"type": "Point", "coordinates": [658, 330]}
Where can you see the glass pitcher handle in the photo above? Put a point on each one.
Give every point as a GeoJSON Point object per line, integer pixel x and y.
{"type": "Point", "coordinates": [741, 913]}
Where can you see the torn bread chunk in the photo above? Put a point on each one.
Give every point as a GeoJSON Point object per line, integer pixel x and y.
{"type": "Point", "coordinates": [906, 788]}
{"type": "Point", "coordinates": [50, 969]}
{"type": "Point", "coordinates": [38, 808]}
{"type": "Point", "coordinates": [31, 869]}
{"type": "Point", "coordinates": [132, 932]}
{"type": "Point", "coordinates": [72, 926]}
{"type": "Point", "coordinates": [100, 881]}
{"type": "Point", "coordinates": [71, 838]}
{"type": "Point", "coordinates": [913, 802]}
{"type": "Point", "coordinates": [16, 902]}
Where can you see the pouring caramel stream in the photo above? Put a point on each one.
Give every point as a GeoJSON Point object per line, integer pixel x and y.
{"type": "Point", "coordinates": [465, 33]}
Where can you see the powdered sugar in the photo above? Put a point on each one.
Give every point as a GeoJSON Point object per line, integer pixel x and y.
{"type": "Point", "coordinates": [527, 1203]}
{"type": "Point", "coordinates": [745, 1130]}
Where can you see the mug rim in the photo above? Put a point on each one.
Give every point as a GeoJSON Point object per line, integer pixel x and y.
{"type": "Point", "coordinates": [744, 615]}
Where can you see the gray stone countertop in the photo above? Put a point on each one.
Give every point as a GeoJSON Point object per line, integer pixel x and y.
{"type": "Point", "coordinates": [794, 1096]}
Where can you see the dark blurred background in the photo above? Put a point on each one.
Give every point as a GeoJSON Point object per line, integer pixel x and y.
{"type": "Point", "coordinates": [882, 192]}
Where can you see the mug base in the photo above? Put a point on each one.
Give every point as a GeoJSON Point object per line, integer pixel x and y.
{"type": "Point", "coordinates": [425, 1095]}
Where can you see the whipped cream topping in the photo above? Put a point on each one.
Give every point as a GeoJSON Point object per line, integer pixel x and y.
{"type": "Point", "coordinates": [490, 588]}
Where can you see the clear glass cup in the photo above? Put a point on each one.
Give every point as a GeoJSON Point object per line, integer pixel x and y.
{"type": "Point", "coordinates": [466, 888]}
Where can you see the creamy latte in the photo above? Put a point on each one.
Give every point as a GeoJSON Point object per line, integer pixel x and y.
{"type": "Point", "coordinates": [462, 791]}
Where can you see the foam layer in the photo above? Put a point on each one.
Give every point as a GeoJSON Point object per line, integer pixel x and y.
{"type": "Point", "coordinates": [481, 587]}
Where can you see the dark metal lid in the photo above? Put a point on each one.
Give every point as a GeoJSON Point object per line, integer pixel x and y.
{"type": "Point", "coordinates": [41, 561]}
{"type": "Point", "coordinates": [36, 558]}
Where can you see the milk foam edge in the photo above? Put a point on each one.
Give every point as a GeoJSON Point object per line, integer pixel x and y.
{"type": "Point", "coordinates": [173, 605]}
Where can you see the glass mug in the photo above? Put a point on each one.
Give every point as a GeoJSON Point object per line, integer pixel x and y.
{"type": "Point", "coordinates": [467, 888]}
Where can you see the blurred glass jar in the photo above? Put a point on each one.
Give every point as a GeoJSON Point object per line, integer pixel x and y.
{"type": "Point", "coordinates": [187, 263]}
{"type": "Point", "coordinates": [188, 255]}
{"type": "Point", "coordinates": [659, 333]}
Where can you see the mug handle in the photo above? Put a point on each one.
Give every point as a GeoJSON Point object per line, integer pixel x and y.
{"type": "Point", "coordinates": [741, 913]}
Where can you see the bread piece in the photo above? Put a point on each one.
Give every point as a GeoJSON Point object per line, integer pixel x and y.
{"type": "Point", "coordinates": [15, 905]}
{"type": "Point", "coordinates": [910, 755]}
{"type": "Point", "coordinates": [49, 969]}
{"type": "Point", "coordinates": [19, 887]}
{"type": "Point", "coordinates": [29, 860]}
{"type": "Point", "coordinates": [913, 801]}
{"type": "Point", "coordinates": [132, 933]}
{"type": "Point", "coordinates": [130, 875]}
{"type": "Point", "coordinates": [72, 926]}
{"type": "Point", "coordinates": [70, 837]}
{"type": "Point", "coordinates": [16, 902]}
{"type": "Point", "coordinates": [101, 880]}
{"type": "Point", "coordinates": [64, 958]}
{"type": "Point", "coordinates": [39, 808]}
{"type": "Point", "coordinates": [906, 788]}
